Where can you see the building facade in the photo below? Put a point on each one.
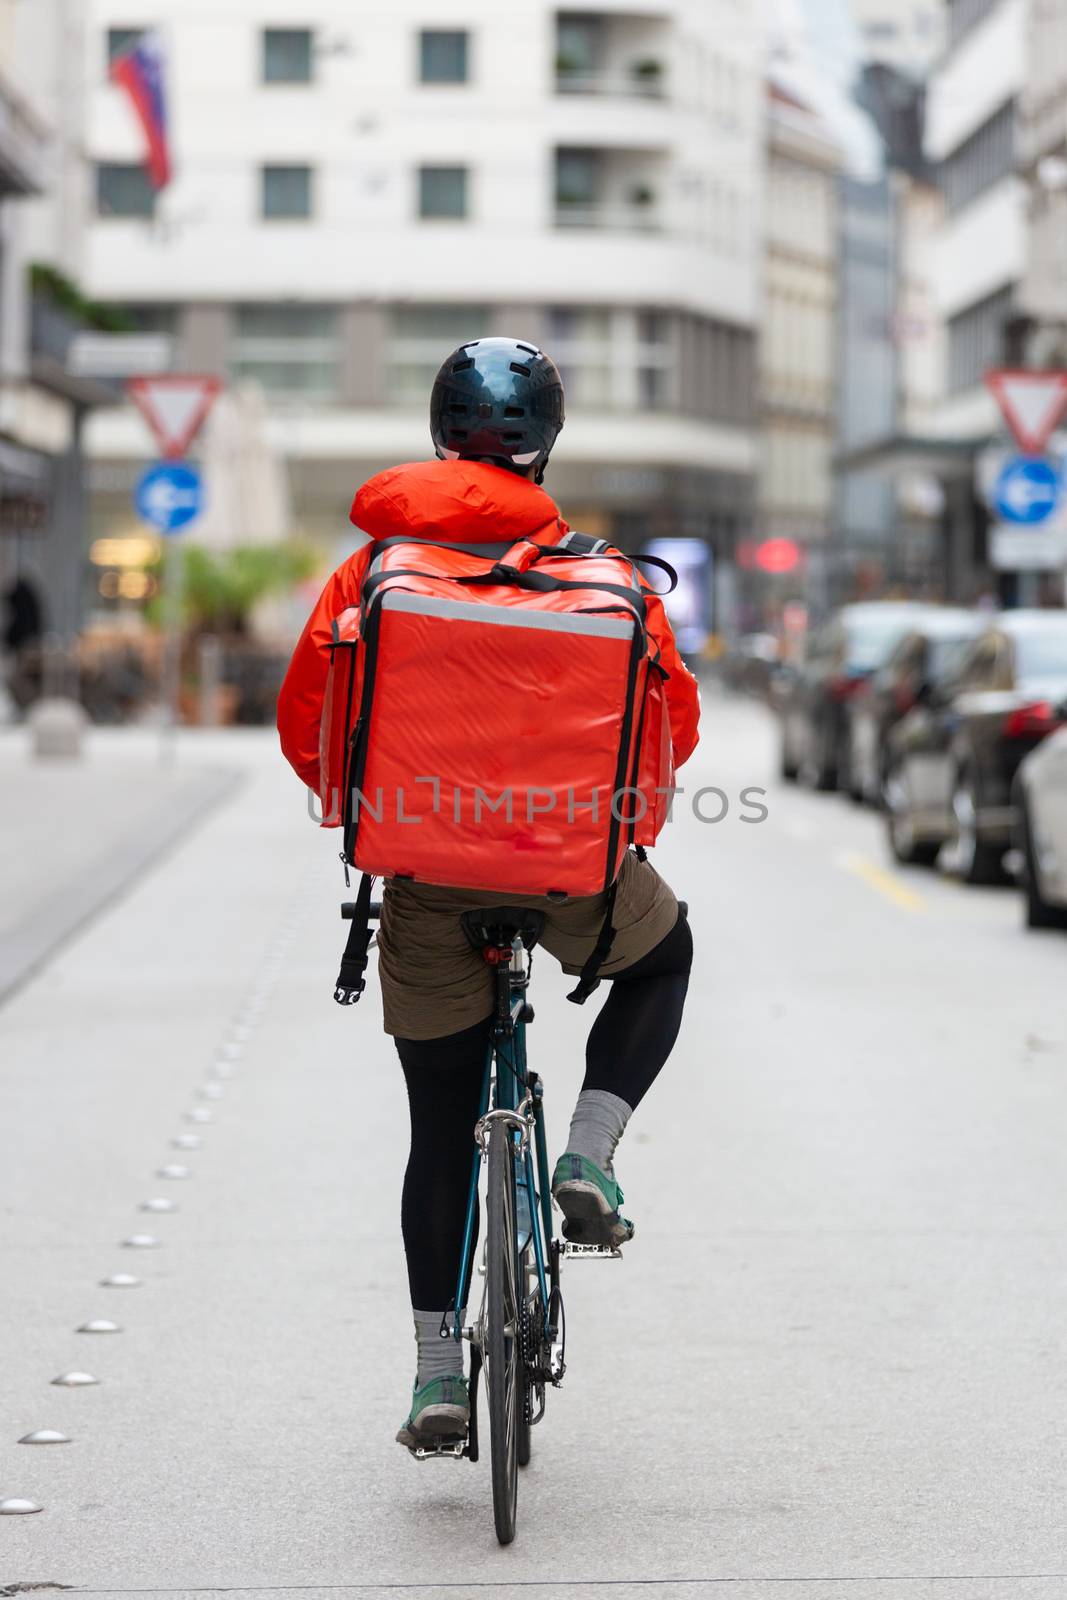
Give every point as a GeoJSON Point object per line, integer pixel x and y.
{"type": "Point", "coordinates": [797, 359]}
{"type": "Point", "coordinates": [907, 35]}
{"type": "Point", "coordinates": [971, 138]}
{"type": "Point", "coordinates": [889, 346]}
{"type": "Point", "coordinates": [352, 199]}
{"type": "Point", "coordinates": [43, 404]}
{"type": "Point", "coordinates": [1042, 164]}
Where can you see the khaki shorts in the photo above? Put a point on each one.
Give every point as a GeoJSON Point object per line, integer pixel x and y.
{"type": "Point", "coordinates": [434, 983]}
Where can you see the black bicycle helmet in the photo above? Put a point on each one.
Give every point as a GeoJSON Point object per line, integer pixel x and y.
{"type": "Point", "coordinates": [497, 400]}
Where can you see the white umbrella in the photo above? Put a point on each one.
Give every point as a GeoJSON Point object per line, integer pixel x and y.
{"type": "Point", "coordinates": [245, 482]}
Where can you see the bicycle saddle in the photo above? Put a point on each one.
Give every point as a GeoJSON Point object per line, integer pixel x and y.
{"type": "Point", "coordinates": [499, 925]}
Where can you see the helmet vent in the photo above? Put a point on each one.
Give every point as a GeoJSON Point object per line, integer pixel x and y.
{"type": "Point", "coordinates": [514, 411]}
{"type": "Point", "coordinates": [457, 410]}
{"type": "Point", "coordinates": [529, 348]}
{"type": "Point", "coordinates": [517, 366]}
{"type": "Point", "coordinates": [457, 434]}
{"type": "Point", "coordinates": [464, 365]}
{"type": "Point", "coordinates": [512, 438]}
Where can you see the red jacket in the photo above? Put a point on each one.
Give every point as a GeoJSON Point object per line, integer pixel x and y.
{"type": "Point", "coordinates": [465, 502]}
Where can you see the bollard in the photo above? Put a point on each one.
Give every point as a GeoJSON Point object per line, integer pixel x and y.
{"type": "Point", "coordinates": [210, 653]}
{"type": "Point", "coordinates": [57, 729]}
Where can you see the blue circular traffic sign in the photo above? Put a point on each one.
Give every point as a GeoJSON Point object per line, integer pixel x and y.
{"type": "Point", "coordinates": [1027, 491]}
{"type": "Point", "coordinates": [169, 496]}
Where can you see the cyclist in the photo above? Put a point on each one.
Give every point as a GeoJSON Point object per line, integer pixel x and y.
{"type": "Point", "coordinates": [485, 486]}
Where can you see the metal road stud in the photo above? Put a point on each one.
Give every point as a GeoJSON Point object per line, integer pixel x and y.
{"type": "Point", "coordinates": [158, 1203]}
{"type": "Point", "coordinates": [174, 1170]}
{"type": "Point", "coordinates": [75, 1380]}
{"type": "Point", "coordinates": [187, 1141]}
{"type": "Point", "coordinates": [99, 1325]}
{"type": "Point", "coordinates": [18, 1508]}
{"type": "Point", "coordinates": [211, 1091]}
{"type": "Point", "coordinates": [222, 1070]}
{"type": "Point", "coordinates": [45, 1436]}
{"type": "Point", "coordinates": [140, 1241]}
{"type": "Point", "coordinates": [199, 1114]}
{"type": "Point", "coordinates": [232, 1052]}
{"type": "Point", "coordinates": [120, 1280]}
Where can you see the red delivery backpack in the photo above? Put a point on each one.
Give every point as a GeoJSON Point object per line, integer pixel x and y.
{"type": "Point", "coordinates": [494, 718]}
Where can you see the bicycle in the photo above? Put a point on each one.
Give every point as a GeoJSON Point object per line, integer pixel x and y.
{"type": "Point", "coordinates": [519, 1336]}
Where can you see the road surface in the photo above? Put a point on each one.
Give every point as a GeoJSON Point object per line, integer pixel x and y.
{"type": "Point", "coordinates": [831, 1365]}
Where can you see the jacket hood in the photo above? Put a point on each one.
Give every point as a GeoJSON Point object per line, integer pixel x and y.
{"type": "Point", "coordinates": [466, 502]}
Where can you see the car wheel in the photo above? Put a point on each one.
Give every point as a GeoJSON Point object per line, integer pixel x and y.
{"type": "Point", "coordinates": [977, 861]}
{"type": "Point", "coordinates": [788, 770]}
{"type": "Point", "coordinates": [900, 829]}
{"type": "Point", "coordinates": [1039, 914]}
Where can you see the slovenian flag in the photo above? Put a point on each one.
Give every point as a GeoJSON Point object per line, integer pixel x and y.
{"type": "Point", "coordinates": [140, 73]}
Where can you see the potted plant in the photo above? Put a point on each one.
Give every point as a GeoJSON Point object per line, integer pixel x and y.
{"type": "Point", "coordinates": [648, 72]}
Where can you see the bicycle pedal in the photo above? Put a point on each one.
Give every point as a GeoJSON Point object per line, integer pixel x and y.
{"type": "Point", "coordinates": [439, 1450]}
{"type": "Point", "coordinates": [591, 1252]}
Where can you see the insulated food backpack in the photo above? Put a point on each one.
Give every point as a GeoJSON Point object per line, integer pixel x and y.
{"type": "Point", "coordinates": [495, 717]}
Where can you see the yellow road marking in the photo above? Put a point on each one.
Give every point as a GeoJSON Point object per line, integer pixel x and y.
{"type": "Point", "coordinates": [885, 882]}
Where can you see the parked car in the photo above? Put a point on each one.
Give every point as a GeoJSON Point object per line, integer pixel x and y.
{"type": "Point", "coordinates": [838, 659]}
{"type": "Point", "coordinates": [1041, 830]}
{"type": "Point", "coordinates": [922, 660]}
{"type": "Point", "coordinates": [751, 663]}
{"type": "Point", "coordinates": [951, 761]}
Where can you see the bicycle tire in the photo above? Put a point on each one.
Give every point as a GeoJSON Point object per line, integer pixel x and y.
{"type": "Point", "coordinates": [503, 1341]}
{"type": "Point", "coordinates": [523, 1443]}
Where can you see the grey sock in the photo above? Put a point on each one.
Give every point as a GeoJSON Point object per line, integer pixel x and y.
{"type": "Point", "coordinates": [597, 1125]}
{"type": "Point", "coordinates": [438, 1358]}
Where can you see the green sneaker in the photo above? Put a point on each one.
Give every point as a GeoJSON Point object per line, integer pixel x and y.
{"type": "Point", "coordinates": [590, 1201]}
{"type": "Point", "coordinates": [440, 1413]}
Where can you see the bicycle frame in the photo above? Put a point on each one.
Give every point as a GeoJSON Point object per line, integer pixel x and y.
{"type": "Point", "coordinates": [501, 1095]}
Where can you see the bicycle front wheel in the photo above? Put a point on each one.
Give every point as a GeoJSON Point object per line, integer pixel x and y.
{"type": "Point", "coordinates": [503, 1334]}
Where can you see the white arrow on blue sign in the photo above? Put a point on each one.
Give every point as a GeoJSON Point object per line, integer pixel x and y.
{"type": "Point", "coordinates": [169, 496]}
{"type": "Point", "coordinates": [1027, 491]}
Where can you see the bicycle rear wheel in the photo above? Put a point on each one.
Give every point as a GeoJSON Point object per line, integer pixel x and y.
{"type": "Point", "coordinates": [503, 1333]}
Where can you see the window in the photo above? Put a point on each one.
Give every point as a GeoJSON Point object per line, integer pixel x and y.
{"type": "Point", "coordinates": [614, 359]}
{"type": "Point", "coordinates": [1041, 652]}
{"type": "Point", "coordinates": [580, 342]}
{"type": "Point", "coordinates": [980, 161]}
{"type": "Point", "coordinates": [123, 191]}
{"type": "Point", "coordinates": [976, 339]}
{"type": "Point", "coordinates": [579, 50]}
{"type": "Point", "coordinates": [286, 193]}
{"type": "Point", "coordinates": [292, 351]}
{"type": "Point", "coordinates": [579, 182]}
{"type": "Point", "coordinates": [421, 338]}
{"type": "Point", "coordinates": [287, 55]}
{"type": "Point", "coordinates": [443, 56]}
{"type": "Point", "coordinates": [443, 192]}
{"type": "Point", "coordinates": [120, 40]}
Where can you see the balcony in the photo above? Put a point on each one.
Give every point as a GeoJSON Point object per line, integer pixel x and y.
{"type": "Point", "coordinates": [612, 55]}
{"type": "Point", "coordinates": [619, 191]}
{"type": "Point", "coordinates": [58, 316]}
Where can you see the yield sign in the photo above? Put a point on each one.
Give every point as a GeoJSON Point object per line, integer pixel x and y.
{"type": "Point", "coordinates": [1031, 403]}
{"type": "Point", "coordinates": [174, 406]}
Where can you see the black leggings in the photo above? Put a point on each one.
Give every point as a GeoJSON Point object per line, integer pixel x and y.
{"type": "Point", "coordinates": [630, 1040]}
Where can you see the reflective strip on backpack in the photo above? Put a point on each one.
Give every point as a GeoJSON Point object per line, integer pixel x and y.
{"type": "Point", "coordinates": [582, 544]}
{"type": "Point", "coordinates": [507, 616]}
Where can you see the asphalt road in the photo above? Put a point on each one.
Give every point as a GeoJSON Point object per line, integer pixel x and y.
{"type": "Point", "coordinates": [832, 1364]}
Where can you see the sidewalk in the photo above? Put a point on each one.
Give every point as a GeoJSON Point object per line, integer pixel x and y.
{"type": "Point", "coordinates": [77, 833]}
